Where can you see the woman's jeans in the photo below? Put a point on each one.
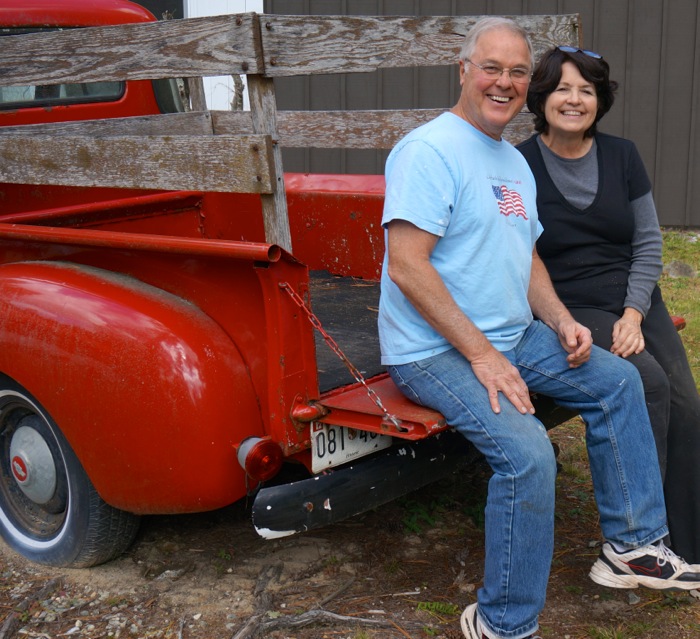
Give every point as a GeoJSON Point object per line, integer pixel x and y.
{"type": "Point", "coordinates": [673, 404]}
{"type": "Point", "coordinates": [607, 392]}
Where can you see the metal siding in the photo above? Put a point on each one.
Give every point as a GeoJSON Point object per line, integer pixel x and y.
{"type": "Point", "coordinates": [505, 7]}
{"type": "Point", "coordinates": [641, 106]}
{"type": "Point", "coordinates": [678, 85]}
{"type": "Point", "coordinates": [398, 7]}
{"type": "Point", "coordinates": [471, 8]}
{"type": "Point", "coordinates": [693, 189]}
{"type": "Point", "coordinates": [609, 35]}
{"type": "Point", "coordinates": [437, 8]}
{"type": "Point", "coordinates": [652, 46]}
{"type": "Point", "coordinates": [541, 7]}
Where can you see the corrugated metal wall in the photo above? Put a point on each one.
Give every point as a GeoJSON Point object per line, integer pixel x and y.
{"type": "Point", "coordinates": [652, 46]}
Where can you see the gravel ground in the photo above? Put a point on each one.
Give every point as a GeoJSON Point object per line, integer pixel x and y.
{"type": "Point", "coordinates": [404, 570]}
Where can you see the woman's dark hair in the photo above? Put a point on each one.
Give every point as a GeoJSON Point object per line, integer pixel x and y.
{"type": "Point", "coordinates": [547, 76]}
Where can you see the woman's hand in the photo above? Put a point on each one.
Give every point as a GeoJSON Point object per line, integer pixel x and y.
{"type": "Point", "coordinates": [627, 337]}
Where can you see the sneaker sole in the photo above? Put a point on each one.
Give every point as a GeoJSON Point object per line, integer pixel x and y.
{"type": "Point", "coordinates": [602, 575]}
{"type": "Point", "coordinates": [466, 622]}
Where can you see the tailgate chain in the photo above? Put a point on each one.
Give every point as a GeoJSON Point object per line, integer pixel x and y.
{"type": "Point", "coordinates": [316, 323]}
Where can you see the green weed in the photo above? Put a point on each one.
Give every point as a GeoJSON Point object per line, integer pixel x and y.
{"type": "Point", "coordinates": [624, 631]}
{"type": "Point", "coordinates": [439, 608]}
{"type": "Point", "coordinates": [418, 515]}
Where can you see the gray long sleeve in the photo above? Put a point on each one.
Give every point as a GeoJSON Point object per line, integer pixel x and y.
{"type": "Point", "coordinates": [646, 254]}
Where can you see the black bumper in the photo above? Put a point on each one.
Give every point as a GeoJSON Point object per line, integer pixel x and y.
{"type": "Point", "coordinates": [279, 511]}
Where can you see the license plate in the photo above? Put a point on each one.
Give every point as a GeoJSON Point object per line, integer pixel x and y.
{"type": "Point", "coordinates": [335, 445]}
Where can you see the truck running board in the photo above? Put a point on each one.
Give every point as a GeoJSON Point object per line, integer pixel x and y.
{"type": "Point", "coordinates": [280, 511]}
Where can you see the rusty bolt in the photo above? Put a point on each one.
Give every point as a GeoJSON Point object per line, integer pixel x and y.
{"type": "Point", "coordinates": [245, 66]}
{"type": "Point", "coordinates": [255, 148]}
{"type": "Point", "coordinates": [258, 178]}
{"type": "Point", "coordinates": [268, 25]}
{"type": "Point", "coordinates": [239, 21]}
{"type": "Point", "coordinates": [273, 61]}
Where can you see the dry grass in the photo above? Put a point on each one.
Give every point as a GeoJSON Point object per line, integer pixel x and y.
{"type": "Point", "coordinates": [682, 294]}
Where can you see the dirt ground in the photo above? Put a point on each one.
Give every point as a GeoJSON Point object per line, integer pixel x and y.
{"type": "Point", "coordinates": [404, 570]}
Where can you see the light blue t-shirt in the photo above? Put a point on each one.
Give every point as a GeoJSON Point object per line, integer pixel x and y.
{"type": "Point", "coordinates": [478, 196]}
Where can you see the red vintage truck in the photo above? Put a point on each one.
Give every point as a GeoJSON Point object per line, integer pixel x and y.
{"type": "Point", "coordinates": [181, 323]}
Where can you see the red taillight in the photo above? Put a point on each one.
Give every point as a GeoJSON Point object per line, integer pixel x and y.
{"type": "Point", "coordinates": [261, 458]}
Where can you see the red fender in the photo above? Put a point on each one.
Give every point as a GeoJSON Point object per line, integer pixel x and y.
{"type": "Point", "coordinates": [150, 392]}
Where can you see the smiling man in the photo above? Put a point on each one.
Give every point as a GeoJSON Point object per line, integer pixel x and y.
{"type": "Point", "coordinates": [461, 282]}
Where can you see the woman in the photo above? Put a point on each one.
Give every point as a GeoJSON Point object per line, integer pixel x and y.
{"type": "Point", "coordinates": [602, 246]}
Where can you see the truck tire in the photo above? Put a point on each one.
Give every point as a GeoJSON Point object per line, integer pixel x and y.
{"type": "Point", "coordinates": [49, 510]}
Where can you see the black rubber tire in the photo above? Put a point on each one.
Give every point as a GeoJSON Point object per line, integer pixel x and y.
{"type": "Point", "coordinates": [64, 522]}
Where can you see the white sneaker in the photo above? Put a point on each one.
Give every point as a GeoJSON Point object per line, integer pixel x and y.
{"type": "Point", "coordinates": [469, 622]}
{"type": "Point", "coordinates": [652, 566]}
{"type": "Point", "coordinates": [471, 626]}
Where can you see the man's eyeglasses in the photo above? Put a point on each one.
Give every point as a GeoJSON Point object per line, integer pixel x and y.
{"type": "Point", "coordinates": [519, 75]}
{"type": "Point", "coordinates": [590, 54]}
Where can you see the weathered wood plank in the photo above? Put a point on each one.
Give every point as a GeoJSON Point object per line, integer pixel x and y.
{"type": "Point", "coordinates": [350, 129]}
{"type": "Point", "coordinates": [222, 45]}
{"type": "Point", "coordinates": [195, 87]}
{"type": "Point", "coordinates": [228, 122]}
{"type": "Point", "coordinates": [295, 129]}
{"type": "Point", "coordinates": [210, 163]}
{"type": "Point", "coordinates": [178, 151]}
{"type": "Point", "coordinates": [219, 45]}
{"type": "Point", "coordinates": [194, 123]}
{"type": "Point", "coordinates": [306, 45]}
{"type": "Point", "coordinates": [264, 120]}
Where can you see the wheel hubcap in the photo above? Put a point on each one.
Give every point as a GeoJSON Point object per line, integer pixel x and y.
{"type": "Point", "coordinates": [32, 465]}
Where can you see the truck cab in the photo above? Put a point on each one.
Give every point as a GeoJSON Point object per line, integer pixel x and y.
{"type": "Point", "coordinates": [184, 323]}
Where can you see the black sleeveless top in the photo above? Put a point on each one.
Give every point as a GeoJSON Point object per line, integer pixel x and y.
{"type": "Point", "coordinates": [588, 252]}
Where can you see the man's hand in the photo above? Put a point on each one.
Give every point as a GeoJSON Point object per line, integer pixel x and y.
{"type": "Point", "coordinates": [497, 374]}
{"type": "Point", "coordinates": [411, 270]}
{"type": "Point", "coordinates": [576, 340]}
{"type": "Point", "coordinates": [627, 338]}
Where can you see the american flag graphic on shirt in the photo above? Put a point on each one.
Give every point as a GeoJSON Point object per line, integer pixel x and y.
{"type": "Point", "coordinates": [509, 202]}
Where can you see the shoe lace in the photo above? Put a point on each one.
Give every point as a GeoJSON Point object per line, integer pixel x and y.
{"type": "Point", "coordinates": [665, 555]}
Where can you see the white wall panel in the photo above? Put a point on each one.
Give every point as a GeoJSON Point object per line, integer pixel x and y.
{"type": "Point", "coordinates": [219, 91]}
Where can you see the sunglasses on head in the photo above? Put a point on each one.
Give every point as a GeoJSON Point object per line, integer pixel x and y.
{"type": "Point", "coordinates": [590, 54]}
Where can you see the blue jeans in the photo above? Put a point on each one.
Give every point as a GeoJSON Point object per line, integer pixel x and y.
{"type": "Point", "coordinates": [608, 393]}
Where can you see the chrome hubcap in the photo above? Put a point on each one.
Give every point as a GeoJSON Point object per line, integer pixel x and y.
{"type": "Point", "coordinates": [32, 465]}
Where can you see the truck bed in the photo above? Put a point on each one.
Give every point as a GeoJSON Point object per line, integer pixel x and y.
{"type": "Point", "coordinates": [347, 308]}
